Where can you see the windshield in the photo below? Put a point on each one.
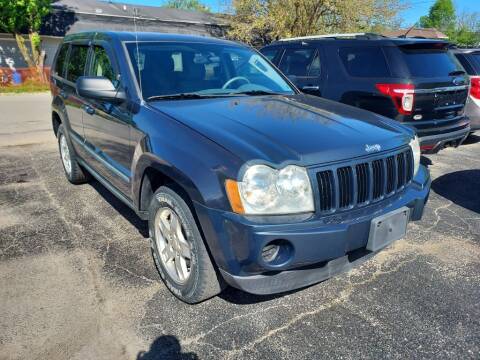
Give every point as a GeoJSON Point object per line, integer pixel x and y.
{"type": "Point", "coordinates": [170, 68]}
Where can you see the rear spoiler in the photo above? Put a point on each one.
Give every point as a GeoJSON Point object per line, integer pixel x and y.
{"type": "Point", "coordinates": [426, 45]}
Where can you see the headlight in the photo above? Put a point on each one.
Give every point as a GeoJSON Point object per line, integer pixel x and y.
{"type": "Point", "coordinates": [264, 190]}
{"type": "Point", "coordinates": [415, 145]}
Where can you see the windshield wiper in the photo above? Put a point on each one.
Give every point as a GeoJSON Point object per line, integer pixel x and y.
{"type": "Point", "coordinates": [456, 72]}
{"type": "Point", "coordinates": [255, 92]}
{"type": "Point", "coordinates": [180, 96]}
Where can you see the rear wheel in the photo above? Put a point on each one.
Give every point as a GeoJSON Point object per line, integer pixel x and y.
{"type": "Point", "coordinates": [73, 171]}
{"type": "Point", "coordinates": [178, 249]}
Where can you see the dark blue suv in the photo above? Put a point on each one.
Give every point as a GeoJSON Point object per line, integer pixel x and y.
{"type": "Point", "coordinates": [243, 180]}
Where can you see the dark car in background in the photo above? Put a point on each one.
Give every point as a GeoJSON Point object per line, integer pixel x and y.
{"type": "Point", "coordinates": [417, 82]}
{"type": "Point", "coordinates": [243, 179]}
{"type": "Point", "coordinates": [470, 60]}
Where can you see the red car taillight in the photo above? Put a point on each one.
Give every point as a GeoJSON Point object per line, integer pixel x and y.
{"type": "Point", "coordinates": [403, 96]}
{"type": "Point", "coordinates": [475, 86]}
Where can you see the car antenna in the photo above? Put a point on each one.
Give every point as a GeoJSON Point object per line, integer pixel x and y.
{"type": "Point", "coordinates": [135, 14]}
{"type": "Point", "coordinates": [406, 33]}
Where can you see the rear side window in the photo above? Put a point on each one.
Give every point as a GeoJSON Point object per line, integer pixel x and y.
{"type": "Point", "coordinates": [270, 54]}
{"type": "Point", "coordinates": [101, 64]}
{"type": "Point", "coordinates": [430, 63]}
{"type": "Point", "coordinates": [297, 62]}
{"type": "Point", "coordinates": [77, 62]}
{"type": "Point", "coordinates": [474, 59]}
{"type": "Point", "coordinates": [364, 61]}
{"type": "Point", "coordinates": [466, 65]}
{"type": "Point", "coordinates": [61, 57]}
{"type": "Point", "coordinates": [315, 66]}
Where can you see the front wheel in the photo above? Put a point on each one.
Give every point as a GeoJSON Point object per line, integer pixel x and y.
{"type": "Point", "coordinates": [178, 249]}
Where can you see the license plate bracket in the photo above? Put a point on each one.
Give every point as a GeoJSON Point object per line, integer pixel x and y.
{"type": "Point", "coordinates": [388, 228]}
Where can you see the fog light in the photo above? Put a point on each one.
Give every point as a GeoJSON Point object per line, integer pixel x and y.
{"type": "Point", "coordinates": [277, 253]}
{"type": "Point", "coordinates": [270, 252]}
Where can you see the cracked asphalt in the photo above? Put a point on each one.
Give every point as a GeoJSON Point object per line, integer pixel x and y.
{"type": "Point", "coordinates": [77, 280]}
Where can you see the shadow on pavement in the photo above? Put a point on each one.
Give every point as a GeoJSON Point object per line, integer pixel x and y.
{"type": "Point", "coordinates": [460, 187]}
{"type": "Point", "coordinates": [472, 139]}
{"type": "Point", "coordinates": [164, 348]}
{"type": "Point", "coordinates": [425, 161]}
{"type": "Point", "coordinates": [124, 210]}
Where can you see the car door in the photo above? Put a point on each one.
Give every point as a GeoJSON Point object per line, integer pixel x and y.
{"type": "Point", "coordinates": [302, 66]}
{"type": "Point", "coordinates": [107, 125]}
{"type": "Point", "coordinates": [76, 65]}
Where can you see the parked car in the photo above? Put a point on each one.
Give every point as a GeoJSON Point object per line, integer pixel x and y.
{"type": "Point", "coordinates": [470, 60]}
{"type": "Point", "coordinates": [243, 180]}
{"type": "Point", "coordinates": [417, 82]}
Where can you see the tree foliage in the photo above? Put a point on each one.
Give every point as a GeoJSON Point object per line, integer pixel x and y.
{"type": "Point", "coordinates": [194, 5]}
{"type": "Point", "coordinates": [467, 31]}
{"type": "Point", "coordinates": [441, 16]}
{"type": "Point", "coordinates": [25, 16]}
{"type": "Point", "coordinates": [463, 30]}
{"type": "Point", "coordinates": [260, 21]}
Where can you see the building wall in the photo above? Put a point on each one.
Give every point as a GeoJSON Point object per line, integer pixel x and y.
{"type": "Point", "coordinates": [10, 55]}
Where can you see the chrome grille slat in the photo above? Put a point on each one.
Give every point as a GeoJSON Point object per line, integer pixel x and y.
{"type": "Point", "coordinates": [390, 178]}
{"type": "Point", "coordinates": [377, 179]}
{"type": "Point", "coordinates": [325, 182]}
{"type": "Point", "coordinates": [345, 179]}
{"type": "Point", "coordinates": [401, 170]}
{"type": "Point", "coordinates": [362, 182]}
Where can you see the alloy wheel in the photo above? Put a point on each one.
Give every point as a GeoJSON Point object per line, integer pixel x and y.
{"type": "Point", "coordinates": [173, 248]}
{"type": "Point", "coordinates": [65, 154]}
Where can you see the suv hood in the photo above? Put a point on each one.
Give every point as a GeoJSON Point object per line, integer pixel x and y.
{"type": "Point", "coordinates": [303, 129]}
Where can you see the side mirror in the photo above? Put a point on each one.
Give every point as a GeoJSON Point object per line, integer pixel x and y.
{"type": "Point", "coordinates": [99, 88]}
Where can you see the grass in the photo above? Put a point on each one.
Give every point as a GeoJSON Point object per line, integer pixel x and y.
{"type": "Point", "coordinates": [26, 87]}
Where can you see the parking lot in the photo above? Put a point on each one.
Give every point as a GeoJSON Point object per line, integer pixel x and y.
{"type": "Point", "coordinates": [77, 280]}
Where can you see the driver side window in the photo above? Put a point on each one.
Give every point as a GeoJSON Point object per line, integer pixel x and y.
{"type": "Point", "coordinates": [101, 64]}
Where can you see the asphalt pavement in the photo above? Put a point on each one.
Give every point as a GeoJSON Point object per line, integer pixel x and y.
{"type": "Point", "coordinates": [77, 280]}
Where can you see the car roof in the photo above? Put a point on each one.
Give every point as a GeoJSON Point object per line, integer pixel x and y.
{"type": "Point", "coordinates": [146, 36]}
{"type": "Point", "coordinates": [358, 41]}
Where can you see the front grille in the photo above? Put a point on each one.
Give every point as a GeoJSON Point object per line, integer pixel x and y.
{"type": "Point", "coordinates": [345, 187]}
{"type": "Point", "coordinates": [325, 184]}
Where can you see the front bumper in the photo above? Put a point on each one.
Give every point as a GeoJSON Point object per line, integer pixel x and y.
{"type": "Point", "coordinates": [320, 246]}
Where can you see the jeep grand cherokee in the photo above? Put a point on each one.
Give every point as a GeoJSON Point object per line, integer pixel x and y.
{"type": "Point", "coordinates": [243, 180]}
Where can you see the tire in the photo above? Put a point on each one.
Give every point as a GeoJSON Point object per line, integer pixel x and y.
{"type": "Point", "coordinates": [202, 281]}
{"type": "Point", "coordinates": [73, 171]}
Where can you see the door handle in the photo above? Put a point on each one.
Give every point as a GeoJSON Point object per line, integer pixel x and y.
{"type": "Point", "coordinates": [311, 87]}
{"type": "Point", "coordinates": [88, 109]}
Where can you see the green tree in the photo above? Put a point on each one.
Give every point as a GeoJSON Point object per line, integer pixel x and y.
{"type": "Point", "coordinates": [195, 5]}
{"type": "Point", "coordinates": [441, 16]}
{"type": "Point", "coordinates": [467, 30]}
{"type": "Point", "coordinates": [259, 21]}
{"type": "Point", "coordinates": [25, 16]}
{"type": "Point", "coordinates": [463, 30]}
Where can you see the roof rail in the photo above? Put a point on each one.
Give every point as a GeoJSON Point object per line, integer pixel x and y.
{"type": "Point", "coordinates": [336, 36]}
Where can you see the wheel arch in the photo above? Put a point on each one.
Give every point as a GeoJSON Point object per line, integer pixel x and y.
{"type": "Point", "coordinates": [56, 121]}
{"type": "Point", "coordinates": [59, 115]}
{"type": "Point", "coordinates": [151, 173]}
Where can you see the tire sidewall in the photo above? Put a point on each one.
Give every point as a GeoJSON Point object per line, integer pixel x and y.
{"type": "Point", "coordinates": [60, 133]}
{"type": "Point", "coordinates": [167, 198]}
